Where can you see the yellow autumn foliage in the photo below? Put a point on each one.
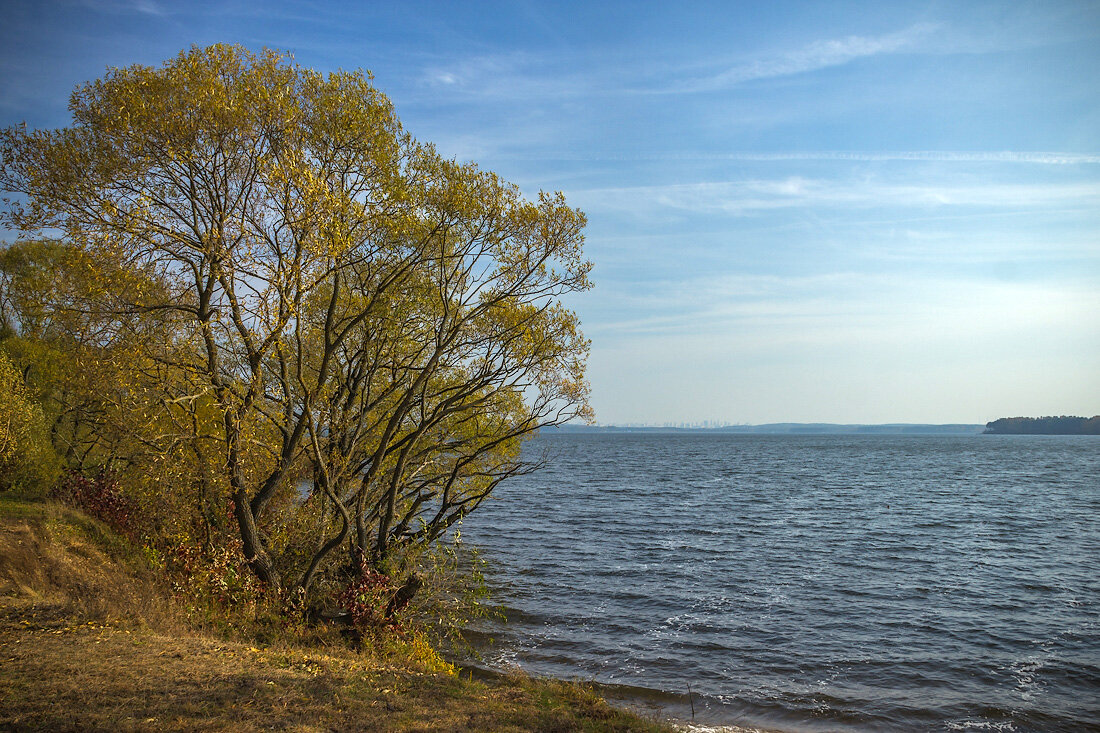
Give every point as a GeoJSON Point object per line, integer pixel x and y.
{"type": "Point", "coordinates": [27, 461]}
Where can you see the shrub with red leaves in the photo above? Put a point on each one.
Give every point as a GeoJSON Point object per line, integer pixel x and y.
{"type": "Point", "coordinates": [100, 497]}
{"type": "Point", "coordinates": [366, 600]}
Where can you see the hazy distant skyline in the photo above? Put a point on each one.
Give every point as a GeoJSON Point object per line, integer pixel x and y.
{"type": "Point", "coordinates": [804, 212]}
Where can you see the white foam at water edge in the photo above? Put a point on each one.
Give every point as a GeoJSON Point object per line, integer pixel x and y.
{"type": "Point", "coordinates": [693, 728]}
{"type": "Point", "coordinates": [1006, 725]}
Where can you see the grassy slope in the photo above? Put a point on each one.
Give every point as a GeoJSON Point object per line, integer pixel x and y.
{"type": "Point", "coordinates": [88, 643]}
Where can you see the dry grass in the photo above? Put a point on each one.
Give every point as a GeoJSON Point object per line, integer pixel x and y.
{"type": "Point", "coordinates": [87, 643]}
{"type": "Point", "coordinates": [55, 557]}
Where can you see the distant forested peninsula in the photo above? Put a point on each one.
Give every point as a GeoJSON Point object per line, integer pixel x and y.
{"type": "Point", "coordinates": [1062, 425]}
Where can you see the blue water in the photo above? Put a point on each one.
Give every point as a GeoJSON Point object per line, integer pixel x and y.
{"type": "Point", "coordinates": [809, 582]}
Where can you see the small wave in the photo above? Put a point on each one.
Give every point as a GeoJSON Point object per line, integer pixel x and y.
{"type": "Point", "coordinates": [981, 725]}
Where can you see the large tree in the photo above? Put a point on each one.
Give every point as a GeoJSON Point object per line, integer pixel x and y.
{"type": "Point", "coordinates": [352, 307]}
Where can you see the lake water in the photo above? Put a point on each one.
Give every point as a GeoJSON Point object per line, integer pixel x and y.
{"type": "Point", "coordinates": [809, 583]}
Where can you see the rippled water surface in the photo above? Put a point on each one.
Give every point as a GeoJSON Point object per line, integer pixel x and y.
{"type": "Point", "coordinates": [810, 582]}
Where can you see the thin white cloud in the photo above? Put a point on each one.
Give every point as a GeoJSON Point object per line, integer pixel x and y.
{"type": "Point", "coordinates": [473, 72]}
{"type": "Point", "coordinates": [885, 307]}
{"type": "Point", "coordinates": [526, 75]}
{"type": "Point", "coordinates": [939, 156]}
{"type": "Point", "coordinates": [1037, 157]}
{"type": "Point", "coordinates": [749, 196]}
{"type": "Point", "coordinates": [511, 76]}
{"type": "Point", "coordinates": [144, 7]}
{"type": "Point", "coordinates": [813, 57]}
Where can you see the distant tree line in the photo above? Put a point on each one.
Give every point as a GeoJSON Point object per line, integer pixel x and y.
{"type": "Point", "coordinates": [1061, 425]}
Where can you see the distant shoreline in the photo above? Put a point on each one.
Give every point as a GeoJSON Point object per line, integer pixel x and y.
{"type": "Point", "coordinates": [1060, 425]}
{"type": "Point", "coordinates": [787, 429]}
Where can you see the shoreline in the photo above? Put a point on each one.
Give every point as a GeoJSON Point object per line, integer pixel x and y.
{"type": "Point", "coordinates": [672, 708]}
{"type": "Point", "coordinates": [91, 642]}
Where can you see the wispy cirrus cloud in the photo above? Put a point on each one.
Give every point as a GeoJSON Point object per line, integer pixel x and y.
{"type": "Point", "coordinates": [939, 156]}
{"type": "Point", "coordinates": [744, 197]}
{"type": "Point", "coordinates": [812, 57]}
{"type": "Point", "coordinates": [143, 7]}
{"type": "Point", "coordinates": [472, 71]}
{"type": "Point", "coordinates": [539, 76]}
{"type": "Point", "coordinates": [801, 308]}
{"type": "Point", "coordinates": [1037, 157]}
{"type": "Point", "coordinates": [510, 76]}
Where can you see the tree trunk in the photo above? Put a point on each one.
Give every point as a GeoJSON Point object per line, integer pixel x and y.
{"type": "Point", "coordinates": [403, 595]}
{"type": "Point", "coordinates": [254, 553]}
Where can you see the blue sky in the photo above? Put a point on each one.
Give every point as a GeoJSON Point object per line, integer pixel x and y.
{"type": "Point", "coordinates": [843, 212]}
